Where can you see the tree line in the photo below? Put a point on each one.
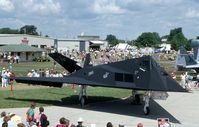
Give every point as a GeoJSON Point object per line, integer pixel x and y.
{"type": "Point", "coordinates": [152, 39]}
{"type": "Point", "coordinates": [27, 29]}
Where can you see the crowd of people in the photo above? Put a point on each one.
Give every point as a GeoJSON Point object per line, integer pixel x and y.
{"type": "Point", "coordinates": [41, 120]}
{"type": "Point", "coordinates": [101, 56]}
{"type": "Point", "coordinates": [45, 73]}
{"type": "Point", "coordinates": [97, 57]}
{"type": "Point", "coordinates": [10, 58]}
{"type": "Point", "coordinates": [187, 81]}
{"type": "Point", "coordinates": [6, 76]}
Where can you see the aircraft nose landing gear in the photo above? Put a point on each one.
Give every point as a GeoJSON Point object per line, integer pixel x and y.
{"type": "Point", "coordinates": [146, 99]}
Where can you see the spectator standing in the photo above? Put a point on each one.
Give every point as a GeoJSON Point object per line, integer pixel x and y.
{"type": "Point", "coordinates": [41, 118]}
{"type": "Point", "coordinates": [17, 59]}
{"type": "Point", "coordinates": [30, 119]}
{"type": "Point", "coordinates": [3, 78]}
{"type": "Point", "coordinates": [197, 81]}
{"type": "Point", "coordinates": [183, 80]}
{"type": "Point", "coordinates": [187, 82]}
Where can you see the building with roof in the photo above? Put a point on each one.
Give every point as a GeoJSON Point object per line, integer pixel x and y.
{"type": "Point", "coordinates": [25, 52]}
{"type": "Point", "coordinates": [32, 40]}
{"type": "Point", "coordinates": [28, 47]}
{"type": "Point", "coordinates": [81, 43]}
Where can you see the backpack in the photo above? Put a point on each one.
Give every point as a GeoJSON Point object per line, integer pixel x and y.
{"type": "Point", "coordinates": [44, 121]}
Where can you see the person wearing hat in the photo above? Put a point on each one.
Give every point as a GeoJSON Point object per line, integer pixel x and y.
{"type": "Point", "coordinates": [80, 122]}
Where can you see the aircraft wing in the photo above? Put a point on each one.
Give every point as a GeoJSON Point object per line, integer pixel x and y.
{"type": "Point", "coordinates": [138, 74]}
{"type": "Point", "coordinates": [69, 64]}
{"type": "Point", "coordinates": [192, 66]}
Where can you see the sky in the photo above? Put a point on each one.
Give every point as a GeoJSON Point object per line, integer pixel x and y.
{"type": "Point", "coordinates": [126, 19]}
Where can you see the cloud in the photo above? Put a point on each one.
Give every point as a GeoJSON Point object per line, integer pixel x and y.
{"type": "Point", "coordinates": [11, 22]}
{"type": "Point", "coordinates": [123, 18]}
{"type": "Point", "coordinates": [192, 13]}
{"type": "Point", "coordinates": [42, 7]}
{"type": "Point", "coordinates": [6, 5]}
{"type": "Point", "coordinates": [107, 7]}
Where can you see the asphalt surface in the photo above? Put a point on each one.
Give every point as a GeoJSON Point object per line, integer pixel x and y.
{"type": "Point", "coordinates": [181, 108]}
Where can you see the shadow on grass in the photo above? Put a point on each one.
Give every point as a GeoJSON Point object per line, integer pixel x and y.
{"type": "Point", "coordinates": [67, 101]}
{"type": "Point", "coordinates": [110, 105]}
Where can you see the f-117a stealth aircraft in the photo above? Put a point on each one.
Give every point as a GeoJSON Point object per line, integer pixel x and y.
{"type": "Point", "coordinates": [135, 74]}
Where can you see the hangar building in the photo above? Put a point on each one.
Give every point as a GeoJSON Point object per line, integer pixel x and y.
{"type": "Point", "coordinates": [81, 43]}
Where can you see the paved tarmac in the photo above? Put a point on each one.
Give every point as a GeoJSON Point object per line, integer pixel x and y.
{"type": "Point", "coordinates": [181, 108]}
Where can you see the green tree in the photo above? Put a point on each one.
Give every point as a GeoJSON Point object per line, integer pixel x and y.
{"type": "Point", "coordinates": [46, 36]}
{"type": "Point", "coordinates": [177, 39]}
{"type": "Point", "coordinates": [150, 39]}
{"type": "Point", "coordinates": [188, 45]}
{"type": "Point", "coordinates": [29, 29]}
{"type": "Point", "coordinates": [8, 31]}
{"type": "Point", "coordinates": [112, 40]}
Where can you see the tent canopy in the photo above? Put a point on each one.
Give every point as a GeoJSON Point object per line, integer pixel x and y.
{"type": "Point", "coordinates": [123, 46]}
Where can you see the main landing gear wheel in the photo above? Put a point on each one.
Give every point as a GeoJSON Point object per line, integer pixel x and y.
{"type": "Point", "coordinates": [146, 111]}
{"type": "Point", "coordinates": [137, 99]}
{"type": "Point", "coordinates": [83, 101]}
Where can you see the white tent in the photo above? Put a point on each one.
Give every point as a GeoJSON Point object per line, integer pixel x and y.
{"type": "Point", "coordinates": [123, 46]}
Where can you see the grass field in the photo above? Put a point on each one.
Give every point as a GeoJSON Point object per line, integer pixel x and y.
{"type": "Point", "coordinates": [24, 94]}
{"type": "Point", "coordinates": [56, 96]}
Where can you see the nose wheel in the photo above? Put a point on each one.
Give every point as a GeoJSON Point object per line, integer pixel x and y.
{"type": "Point", "coordinates": [146, 110]}
{"type": "Point", "coordinates": [146, 99]}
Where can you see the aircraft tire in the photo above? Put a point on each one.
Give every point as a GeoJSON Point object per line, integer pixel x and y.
{"type": "Point", "coordinates": [137, 99]}
{"type": "Point", "coordinates": [83, 101]}
{"type": "Point", "coordinates": [147, 111]}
